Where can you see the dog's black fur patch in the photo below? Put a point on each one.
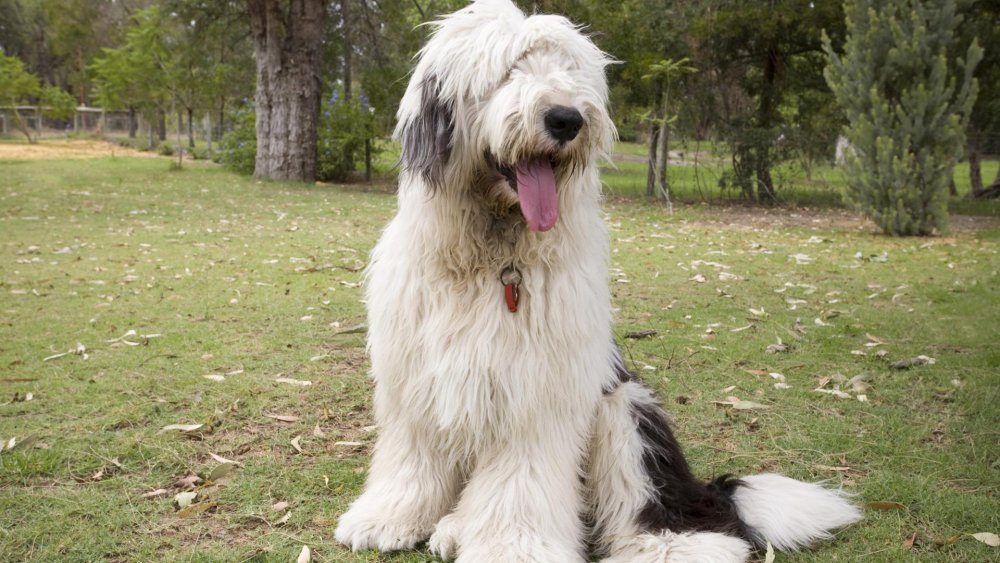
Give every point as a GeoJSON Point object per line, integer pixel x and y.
{"type": "Point", "coordinates": [681, 502]}
{"type": "Point", "coordinates": [427, 139]}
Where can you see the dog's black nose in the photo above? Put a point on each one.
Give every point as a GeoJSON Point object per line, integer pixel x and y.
{"type": "Point", "coordinates": [563, 123]}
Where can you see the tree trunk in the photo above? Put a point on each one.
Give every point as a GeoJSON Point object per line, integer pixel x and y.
{"type": "Point", "coordinates": [345, 11]}
{"type": "Point", "coordinates": [975, 170]}
{"type": "Point", "coordinates": [161, 126]}
{"type": "Point", "coordinates": [190, 113]}
{"type": "Point", "coordinates": [287, 38]}
{"type": "Point", "coordinates": [664, 161]}
{"type": "Point", "coordinates": [654, 137]}
{"type": "Point", "coordinates": [133, 124]}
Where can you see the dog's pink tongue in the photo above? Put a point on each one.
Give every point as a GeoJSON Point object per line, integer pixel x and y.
{"type": "Point", "coordinates": [536, 189]}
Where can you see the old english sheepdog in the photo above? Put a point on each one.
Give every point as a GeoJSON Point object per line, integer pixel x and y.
{"type": "Point", "coordinates": [509, 428]}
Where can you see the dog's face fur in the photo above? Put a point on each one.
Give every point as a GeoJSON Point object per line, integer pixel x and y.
{"type": "Point", "coordinates": [508, 126]}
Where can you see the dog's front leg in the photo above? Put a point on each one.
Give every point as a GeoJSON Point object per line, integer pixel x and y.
{"type": "Point", "coordinates": [410, 487]}
{"type": "Point", "coordinates": [522, 503]}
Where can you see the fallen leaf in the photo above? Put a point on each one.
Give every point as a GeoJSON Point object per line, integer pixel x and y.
{"type": "Point", "coordinates": [284, 519]}
{"type": "Point", "coordinates": [912, 362]}
{"type": "Point", "coordinates": [318, 432]}
{"type": "Point", "coordinates": [776, 347]}
{"type": "Point", "coordinates": [748, 406]}
{"type": "Point", "coordinates": [153, 494]}
{"type": "Point", "coordinates": [215, 377]}
{"type": "Point", "coordinates": [187, 482]}
{"type": "Point", "coordinates": [185, 499]}
{"type": "Point", "coordinates": [181, 427]}
{"type": "Point", "coordinates": [221, 471]}
{"type": "Point", "coordinates": [293, 381]}
{"type": "Point", "coordinates": [835, 392]}
{"type": "Point", "coordinates": [698, 279]}
{"type": "Point", "coordinates": [635, 335]}
{"type": "Point", "coordinates": [279, 506]}
{"type": "Point", "coordinates": [221, 459]}
{"type": "Point", "coordinates": [988, 538]}
{"type": "Point", "coordinates": [196, 509]}
{"type": "Point", "coordinates": [348, 444]}
{"type": "Point", "coordinates": [305, 556]}
{"type": "Point", "coordinates": [769, 554]}
{"type": "Point", "coordinates": [296, 444]}
{"type": "Point", "coordinates": [886, 505]}
{"type": "Point", "coordinates": [908, 543]}
{"type": "Point", "coordinates": [282, 417]}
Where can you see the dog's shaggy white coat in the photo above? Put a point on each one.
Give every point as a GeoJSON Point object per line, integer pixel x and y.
{"type": "Point", "coordinates": [501, 432]}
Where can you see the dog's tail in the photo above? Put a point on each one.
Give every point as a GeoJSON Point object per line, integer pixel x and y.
{"type": "Point", "coordinates": [790, 514]}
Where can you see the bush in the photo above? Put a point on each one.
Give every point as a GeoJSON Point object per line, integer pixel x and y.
{"type": "Point", "coordinates": [238, 148]}
{"type": "Point", "coordinates": [907, 103]}
{"type": "Point", "coordinates": [343, 128]}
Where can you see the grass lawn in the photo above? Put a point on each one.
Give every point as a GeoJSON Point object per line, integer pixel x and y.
{"type": "Point", "coordinates": [239, 291]}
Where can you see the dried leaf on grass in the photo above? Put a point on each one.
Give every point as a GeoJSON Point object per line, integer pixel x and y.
{"type": "Point", "coordinates": [221, 471]}
{"type": "Point", "coordinates": [221, 459]}
{"type": "Point", "coordinates": [635, 335]}
{"type": "Point", "coordinates": [291, 381]}
{"type": "Point", "coordinates": [296, 443]}
{"type": "Point", "coordinates": [913, 362]}
{"type": "Point", "coordinates": [282, 417]}
{"type": "Point", "coordinates": [988, 538]}
{"type": "Point", "coordinates": [777, 347]}
{"type": "Point", "coordinates": [305, 556]}
{"type": "Point", "coordinates": [184, 500]}
{"type": "Point", "coordinates": [154, 493]}
{"type": "Point", "coordinates": [769, 554]}
{"type": "Point", "coordinates": [180, 427]}
{"type": "Point", "coordinates": [284, 519]}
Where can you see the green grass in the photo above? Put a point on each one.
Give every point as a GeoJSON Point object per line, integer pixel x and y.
{"type": "Point", "coordinates": [255, 279]}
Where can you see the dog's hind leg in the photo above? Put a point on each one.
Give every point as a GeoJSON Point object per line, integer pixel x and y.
{"type": "Point", "coordinates": [645, 505]}
{"type": "Point", "coordinates": [411, 485]}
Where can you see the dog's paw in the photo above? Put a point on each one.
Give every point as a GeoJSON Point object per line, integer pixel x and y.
{"type": "Point", "coordinates": [361, 530]}
{"type": "Point", "coordinates": [444, 540]}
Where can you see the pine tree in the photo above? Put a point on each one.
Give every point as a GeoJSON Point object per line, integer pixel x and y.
{"type": "Point", "coordinates": [907, 106]}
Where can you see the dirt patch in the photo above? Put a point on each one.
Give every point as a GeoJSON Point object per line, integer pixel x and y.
{"type": "Point", "coordinates": [64, 148]}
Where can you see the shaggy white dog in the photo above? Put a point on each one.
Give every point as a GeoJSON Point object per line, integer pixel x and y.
{"type": "Point", "coordinates": [509, 429]}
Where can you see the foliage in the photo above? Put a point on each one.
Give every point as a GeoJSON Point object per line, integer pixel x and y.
{"type": "Point", "coordinates": [238, 147]}
{"type": "Point", "coordinates": [907, 106]}
{"type": "Point", "coordinates": [16, 83]}
{"type": "Point", "coordinates": [57, 103]}
{"type": "Point", "coordinates": [344, 126]}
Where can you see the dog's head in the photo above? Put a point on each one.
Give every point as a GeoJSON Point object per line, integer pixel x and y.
{"type": "Point", "coordinates": [508, 105]}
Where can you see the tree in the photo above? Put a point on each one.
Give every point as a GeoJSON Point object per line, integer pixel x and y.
{"type": "Point", "coordinates": [664, 73]}
{"type": "Point", "coordinates": [287, 38]}
{"type": "Point", "coordinates": [907, 106]}
{"type": "Point", "coordinates": [983, 134]}
{"type": "Point", "coordinates": [771, 52]}
{"type": "Point", "coordinates": [17, 85]}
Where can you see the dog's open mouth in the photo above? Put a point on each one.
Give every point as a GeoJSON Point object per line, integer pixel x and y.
{"type": "Point", "coordinates": [534, 181]}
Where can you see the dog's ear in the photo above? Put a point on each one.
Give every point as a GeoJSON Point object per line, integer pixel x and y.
{"type": "Point", "coordinates": [426, 137]}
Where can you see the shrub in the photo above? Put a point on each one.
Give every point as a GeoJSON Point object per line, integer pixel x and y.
{"type": "Point", "coordinates": [907, 106]}
{"type": "Point", "coordinates": [238, 147]}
